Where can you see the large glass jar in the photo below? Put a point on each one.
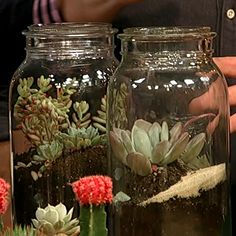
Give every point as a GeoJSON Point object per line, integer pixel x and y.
{"type": "Point", "coordinates": [168, 135]}
{"type": "Point", "coordinates": [58, 114]}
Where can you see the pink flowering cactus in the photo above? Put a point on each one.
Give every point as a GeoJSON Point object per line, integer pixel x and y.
{"type": "Point", "coordinates": [4, 191]}
{"type": "Point", "coordinates": [95, 190]}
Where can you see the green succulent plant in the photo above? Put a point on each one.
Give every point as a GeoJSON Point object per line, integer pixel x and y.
{"type": "Point", "coordinates": [149, 144]}
{"type": "Point", "coordinates": [81, 117]}
{"type": "Point", "coordinates": [41, 116]}
{"type": "Point", "coordinates": [49, 152]}
{"type": "Point", "coordinates": [119, 107]}
{"type": "Point", "coordinates": [20, 231]}
{"type": "Point", "coordinates": [54, 124]}
{"type": "Point", "coordinates": [82, 138]}
{"type": "Point", "coordinates": [99, 121]}
{"type": "Point", "coordinates": [52, 221]}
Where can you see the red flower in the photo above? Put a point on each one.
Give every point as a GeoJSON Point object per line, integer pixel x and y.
{"type": "Point", "coordinates": [4, 188]}
{"type": "Point", "coordinates": [93, 190]}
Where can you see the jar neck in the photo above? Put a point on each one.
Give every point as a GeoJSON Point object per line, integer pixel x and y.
{"type": "Point", "coordinates": [71, 53]}
{"type": "Point", "coordinates": [69, 41]}
{"type": "Point", "coordinates": [175, 46]}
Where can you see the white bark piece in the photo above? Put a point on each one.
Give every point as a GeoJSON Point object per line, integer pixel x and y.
{"type": "Point", "coordinates": [191, 184]}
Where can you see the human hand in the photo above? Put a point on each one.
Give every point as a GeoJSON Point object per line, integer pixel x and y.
{"type": "Point", "coordinates": [92, 10]}
{"type": "Point", "coordinates": [227, 65]}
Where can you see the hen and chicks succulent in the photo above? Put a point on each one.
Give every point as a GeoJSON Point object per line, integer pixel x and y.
{"type": "Point", "coordinates": [52, 221]}
{"type": "Point", "coordinates": [155, 144]}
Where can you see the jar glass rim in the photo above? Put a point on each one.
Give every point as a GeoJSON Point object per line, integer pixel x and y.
{"type": "Point", "coordinates": [70, 29]}
{"type": "Point", "coordinates": [167, 33]}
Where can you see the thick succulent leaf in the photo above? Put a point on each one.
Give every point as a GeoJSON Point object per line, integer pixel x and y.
{"type": "Point", "coordinates": [61, 209]}
{"type": "Point", "coordinates": [177, 149]}
{"type": "Point", "coordinates": [143, 124]}
{"type": "Point", "coordinates": [72, 224]}
{"type": "Point", "coordinates": [193, 147]}
{"type": "Point", "coordinates": [118, 148]}
{"type": "Point", "coordinates": [164, 131]}
{"type": "Point", "coordinates": [199, 163]}
{"type": "Point", "coordinates": [68, 217]}
{"type": "Point", "coordinates": [117, 132]}
{"type": "Point", "coordinates": [51, 215]}
{"type": "Point", "coordinates": [40, 214]}
{"type": "Point", "coordinates": [139, 164]}
{"type": "Point", "coordinates": [121, 197]}
{"type": "Point", "coordinates": [175, 132]}
{"type": "Point", "coordinates": [154, 134]}
{"type": "Point", "coordinates": [126, 140]}
{"type": "Point", "coordinates": [73, 231]}
{"type": "Point", "coordinates": [160, 151]}
{"type": "Point", "coordinates": [59, 225]}
{"type": "Point", "coordinates": [35, 223]}
{"type": "Point", "coordinates": [141, 142]}
{"type": "Point", "coordinates": [118, 173]}
{"type": "Point", "coordinates": [47, 228]}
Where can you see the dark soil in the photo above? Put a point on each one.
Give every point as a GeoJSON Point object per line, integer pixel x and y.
{"type": "Point", "coordinates": [180, 217]}
{"type": "Point", "coordinates": [141, 188]}
{"type": "Point", "coordinates": [54, 185]}
{"type": "Point", "coordinates": [200, 216]}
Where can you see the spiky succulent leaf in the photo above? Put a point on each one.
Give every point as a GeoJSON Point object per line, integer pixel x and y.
{"type": "Point", "coordinates": [20, 231]}
{"type": "Point", "coordinates": [61, 210]}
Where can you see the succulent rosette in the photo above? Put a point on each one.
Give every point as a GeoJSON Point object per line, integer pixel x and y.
{"type": "Point", "coordinates": [153, 143]}
{"type": "Point", "coordinates": [55, 221]}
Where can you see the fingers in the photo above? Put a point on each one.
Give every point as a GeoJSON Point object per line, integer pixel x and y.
{"type": "Point", "coordinates": [210, 100]}
{"type": "Point", "coordinates": [227, 65]}
{"type": "Point", "coordinates": [233, 123]}
{"type": "Point", "coordinates": [213, 124]}
{"type": "Point", "coordinates": [232, 95]}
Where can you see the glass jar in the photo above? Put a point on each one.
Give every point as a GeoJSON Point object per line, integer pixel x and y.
{"type": "Point", "coordinates": [168, 135]}
{"type": "Point", "coordinates": [58, 113]}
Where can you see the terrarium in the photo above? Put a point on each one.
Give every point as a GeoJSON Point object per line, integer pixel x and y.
{"type": "Point", "coordinates": [168, 135]}
{"type": "Point", "coordinates": [58, 119]}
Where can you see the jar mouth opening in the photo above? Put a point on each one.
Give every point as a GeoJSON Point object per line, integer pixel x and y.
{"type": "Point", "coordinates": [164, 34]}
{"type": "Point", "coordinates": [70, 29]}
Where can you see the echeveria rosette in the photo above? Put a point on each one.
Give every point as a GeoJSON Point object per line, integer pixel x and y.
{"type": "Point", "coordinates": [151, 143]}
{"type": "Point", "coordinates": [53, 221]}
{"type": "Point", "coordinates": [4, 193]}
{"type": "Point", "coordinates": [93, 193]}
